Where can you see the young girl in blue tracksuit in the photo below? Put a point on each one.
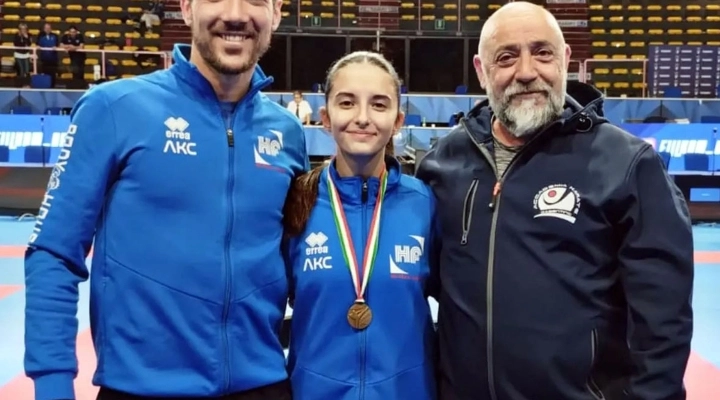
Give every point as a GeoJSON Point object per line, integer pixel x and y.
{"type": "Point", "coordinates": [359, 251]}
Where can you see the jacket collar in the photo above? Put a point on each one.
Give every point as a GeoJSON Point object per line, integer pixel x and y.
{"type": "Point", "coordinates": [189, 73]}
{"type": "Point", "coordinates": [350, 188]}
{"type": "Point", "coordinates": [583, 111]}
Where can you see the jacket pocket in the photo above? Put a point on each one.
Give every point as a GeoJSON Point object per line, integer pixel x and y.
{"type": "Point", "coordinates": [468, 207]}
{"type": "Point", "coordinates": [591, 385]}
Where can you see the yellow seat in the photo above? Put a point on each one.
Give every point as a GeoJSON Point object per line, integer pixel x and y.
{"type": "Point", "coordinates": [602, 85]}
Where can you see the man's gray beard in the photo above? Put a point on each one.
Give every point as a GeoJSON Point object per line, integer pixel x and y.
{"type": "Point", "coordinates": [527, 118]}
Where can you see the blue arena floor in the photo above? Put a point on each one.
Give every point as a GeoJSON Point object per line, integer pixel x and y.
{"type": "Point", "coordinates": [702, 379]}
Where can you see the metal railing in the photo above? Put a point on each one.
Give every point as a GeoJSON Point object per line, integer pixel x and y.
{"type": "Point", "coordinates": [583, 66]}
{"type": "Point", "coordinates": [35, 59]}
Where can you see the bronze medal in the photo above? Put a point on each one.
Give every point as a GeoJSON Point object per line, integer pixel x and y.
{"type": "Point", "coordinates": [359, 316]}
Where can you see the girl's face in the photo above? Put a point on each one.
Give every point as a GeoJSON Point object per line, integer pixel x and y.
{"type": "Point", "coordinates": [362, 110]}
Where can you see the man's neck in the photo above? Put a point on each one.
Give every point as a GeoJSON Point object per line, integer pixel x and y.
{"type": "Point", "coordinates": [228, 88]}
{"type": "Point", "coordinates": [365, 167]}
{"type": "Point", "coordinates": [502, 135]}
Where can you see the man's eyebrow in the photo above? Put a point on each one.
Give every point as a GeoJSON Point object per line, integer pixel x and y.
{"type": "Point", "coordinates": [533, 46]}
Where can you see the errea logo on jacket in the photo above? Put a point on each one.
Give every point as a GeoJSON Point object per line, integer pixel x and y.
{"type": "Point", "coordinates": [178, 138]}
{"type": "Point", "coordinates": [316, 252]}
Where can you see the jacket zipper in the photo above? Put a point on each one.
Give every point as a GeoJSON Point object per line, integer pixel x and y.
{"type": "Point", "coordinates": [591, 385]}
{"type": "Point", "coordinates": [228, 240]}
{"type": "Point", "coordinates": [363, 333]}
{"type": "Point", "coordinates": [489, 288]}
{"type": "Point", "coordinates": [468, 206]}
{"type": "Point", "coordinates": [494, 206]}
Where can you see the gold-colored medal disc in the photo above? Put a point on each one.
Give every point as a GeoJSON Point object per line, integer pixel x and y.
{"type": "Point", "coordinates": [359, 316]}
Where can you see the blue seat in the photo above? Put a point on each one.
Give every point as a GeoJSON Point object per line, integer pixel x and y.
{"type": "Point", "coordinates": [37, 155]}
{"type": "Point", "coordinates": [413, 120]}
{"type": "Point", "coordinates": [21, 110]}
{"type": "Point", "coordinates": [672, 92]}
{"type": "Point", "coordinates": [697, 162]}
{"type": "Point", "coordinates": [54, 111]}
{"type": "Point", "coordinates": [4, 154]}
{"type": "Point", "coordinates": [41, 81]}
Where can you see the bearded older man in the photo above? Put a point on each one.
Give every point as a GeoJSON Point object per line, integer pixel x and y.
{"type": "Point", "coordinates": [566, 251]}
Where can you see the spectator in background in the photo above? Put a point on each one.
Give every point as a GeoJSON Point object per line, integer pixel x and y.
{"type": "Point", "coordinates": [73, 41]}
{"type": "Point", "coordinates": [48, 59]}
{"type": "Point", "coordinates": [300, 107]}
{"type": "Point", "coordinates": [22, 57]}
{"type": "Point", "coordinates": [152, 15]}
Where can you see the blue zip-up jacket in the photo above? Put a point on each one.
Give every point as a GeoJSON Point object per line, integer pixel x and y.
{"type": "Point", "coordinates": [188, 286]}
{"type": "Point", "coordinates": [391, 358]}
{"type": "Point", "coordinates": [573, 281]}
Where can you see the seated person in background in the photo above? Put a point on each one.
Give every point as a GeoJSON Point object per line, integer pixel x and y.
{"type": "Point", "coordinates": [152, 15]}
{"type": "Point", "coordinates": [300, 107]}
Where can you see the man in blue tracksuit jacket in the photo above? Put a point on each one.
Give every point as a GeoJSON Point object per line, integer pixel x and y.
{"type": "Point", "coordinates": [569, 275]}
{"type": "Point", "coordinates": [391, 359]}
{"type": "Point", "coordinates": [181, 190]}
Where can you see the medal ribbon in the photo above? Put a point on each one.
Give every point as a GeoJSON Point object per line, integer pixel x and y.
{"type": "Point", "coordinates": [346, 242]}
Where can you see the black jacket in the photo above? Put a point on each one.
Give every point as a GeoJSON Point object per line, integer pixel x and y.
{"type": "Point", "coordinates": [575, 281]}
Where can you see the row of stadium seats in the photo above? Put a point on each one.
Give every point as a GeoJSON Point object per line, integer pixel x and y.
{"type": "Point", "coordinates": [644, 8]}
{"type": "Point", "coordinates": [108, 26]}
{"type": "Point", "coordinates": [624, 30]}
{"type": "Point", "coordinates": [411, 15]}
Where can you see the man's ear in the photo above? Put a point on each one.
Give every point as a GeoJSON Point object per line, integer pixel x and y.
{"type": "Point", "coordinates": [186, 10]}
{"type": "Point", "coordinates": [477, 63]}
{"type": "Point", "coordinates": [568, 55]}
{"type": "Point", "coordinates": [277, 14]}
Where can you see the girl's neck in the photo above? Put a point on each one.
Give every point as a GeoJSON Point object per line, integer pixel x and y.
{"type": "Point", "coordinates": [362, 166]}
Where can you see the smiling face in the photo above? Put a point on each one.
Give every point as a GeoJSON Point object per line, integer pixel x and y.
{"type": "Point", "coordinates": [231, 35]}
{"type": "Point", "coordinates": [362, 111]}
{"type": "Point", "coordinates": [522, 64]}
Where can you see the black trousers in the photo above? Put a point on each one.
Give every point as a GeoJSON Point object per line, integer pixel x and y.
{"type": "Point", "coordinates": [276, 391]}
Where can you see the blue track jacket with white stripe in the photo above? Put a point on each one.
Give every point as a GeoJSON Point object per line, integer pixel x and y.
{"type": "Point", "coordinates": [392, 359]}
{"type": "Point", "coordinates": [184, 204]}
